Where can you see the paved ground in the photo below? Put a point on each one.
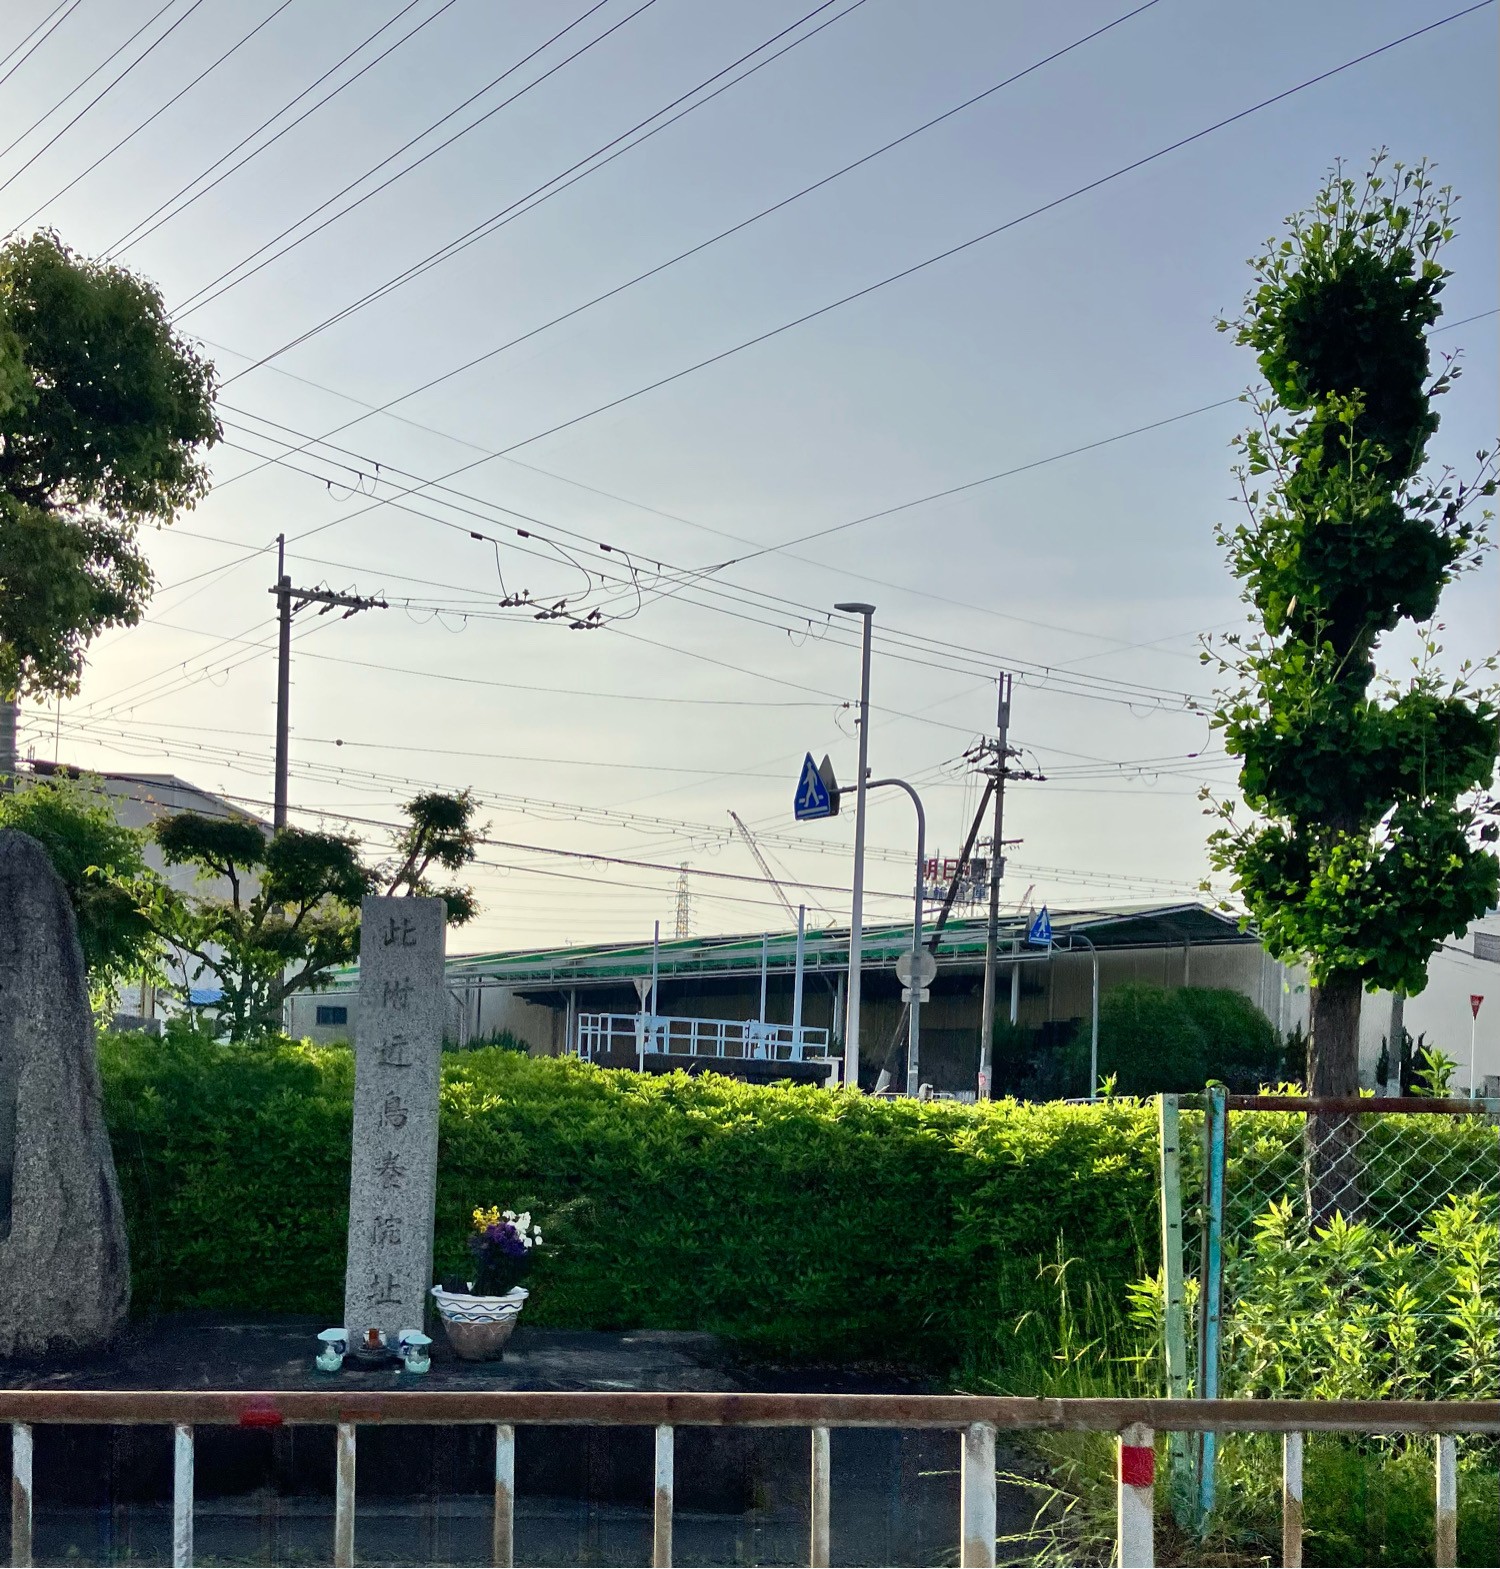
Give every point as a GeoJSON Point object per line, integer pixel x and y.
{"type": "Point", "coordinates": [199, 1351]}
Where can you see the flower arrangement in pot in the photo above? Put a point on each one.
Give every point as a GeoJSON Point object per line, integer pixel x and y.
{"type": "Point", "coordinates": [480, 1314]}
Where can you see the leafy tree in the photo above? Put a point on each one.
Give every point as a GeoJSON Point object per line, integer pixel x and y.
{"type": "Point", "coordinates": [104, 871]}
{"type": "Point", "coordinates": [104, 413]}
{"type": "Point", "coordinates": [1152, 1038]}
{"type": "Point", "coordinates": [291, 914]}
{"type": "Point", "coordinates": [441, 832]}
{"type": "Point", "coordinates": [1367, 844]}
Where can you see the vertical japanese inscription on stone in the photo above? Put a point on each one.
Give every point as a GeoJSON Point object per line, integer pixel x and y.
{"type": "Point", "coordinates": [397, 1061]}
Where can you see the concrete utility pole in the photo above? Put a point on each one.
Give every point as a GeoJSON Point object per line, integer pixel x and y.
{"type": "Point", "coordinates": [289, 601]}
{"type": "Point", "coordinates": [998, 771]}
{"type": "Point", "coordinates": [856, 907]}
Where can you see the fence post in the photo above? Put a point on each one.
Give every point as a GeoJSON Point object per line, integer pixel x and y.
{"type": "Point", "coordinates": [818, 1549]}
{"type": "Point", "coordinates": [977, 1497]}
{"type": "Point", "coordinates": [20, 1494]}
{"type": "Point", "coordinates": [343, 1500]}
{"type": "Point", "coordinates": [1174, 1317]}
{"type": "Point", "coordinates": [1136, 1540]}
{"type": "Point", "coordinates": [1446, 1554]}
{"type": "Point", "coordinates": [1215, 1130]}
{"type": "Point", "coordinates": [182, 1496]}
{"type": "Point", "coordinates": [503, 1535]}
{"type": "Point", "coordinates": [661, 1541]}
{"type": "Point", "coordinates": [1291, 1500]}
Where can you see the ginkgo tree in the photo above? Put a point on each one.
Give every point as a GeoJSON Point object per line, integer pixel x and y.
{"type": "Point", "coordinates": [1371, 818]}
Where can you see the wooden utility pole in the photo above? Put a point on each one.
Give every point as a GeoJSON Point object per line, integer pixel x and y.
{"type": "Point", "coordinates": [289, 601]}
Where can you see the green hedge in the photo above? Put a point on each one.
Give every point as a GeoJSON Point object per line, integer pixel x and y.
{"type": "Point", "coordinates": [803, 1223]}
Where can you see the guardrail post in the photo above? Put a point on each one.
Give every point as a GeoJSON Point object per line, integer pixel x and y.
{"type": "Point", "coordinates": [182, 1496]}
{"type": "Point", "coordinates": [343, 1500]}
{"type": "Point", "coordinates": [1137, 1490]}
{"type": "Point", "coordinates": [20, 1493]}
{"type": "Point", "coordinates": [1446, 1554]}
{"type": "Point", "coordinates": [661, 1540]}
{"type": "Point", "coordinates": [1291, 1500]}
{"type": "Point", "coordinates": [503, 1539]}
{"type": "Point", "coordinates": [818, 1539]}
{"type": "Point", "coordinates": [976, 1491]}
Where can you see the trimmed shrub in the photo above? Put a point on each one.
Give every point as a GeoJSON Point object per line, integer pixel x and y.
{"type": "Point", "coordinates": [1153, 1039]}
{"type": "Point", "coordinates": [804, 1224]}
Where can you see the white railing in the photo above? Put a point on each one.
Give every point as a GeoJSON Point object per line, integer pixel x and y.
{"type": "Point", "coordinates": [613, 1034]}
{"type": "Point", "coordinates": [1137, 1426]}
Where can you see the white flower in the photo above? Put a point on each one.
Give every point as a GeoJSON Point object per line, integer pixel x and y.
{"type": "Point", "coordinates": [536, 1238]}
{"type": "Point", "coordinates": [507, 1214]}
{"type": "Point", "coordinates": [523, 1221]}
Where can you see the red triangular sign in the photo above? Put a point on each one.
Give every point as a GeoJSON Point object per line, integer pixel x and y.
{"type": "Point", "coordinates": [1475, 998]}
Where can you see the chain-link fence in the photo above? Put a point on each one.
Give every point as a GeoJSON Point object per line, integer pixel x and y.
{"type": "Point", "coordinates": [1360, 1251]}
{"type": "Point", "coordinates": [1339, 1250]}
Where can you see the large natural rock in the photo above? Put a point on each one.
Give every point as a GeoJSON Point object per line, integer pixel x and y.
{"type": "Point", "coordinates": [64, 1266]}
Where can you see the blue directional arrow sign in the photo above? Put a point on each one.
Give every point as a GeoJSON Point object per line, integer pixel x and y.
{"type": "Point", "coordinates": [812, 798]}
{"type": "Point", "coordinates": [1039, 933]}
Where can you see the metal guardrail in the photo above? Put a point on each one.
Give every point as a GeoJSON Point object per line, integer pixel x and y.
{"type": "Point", "coordinates": [977, 1418]}
{"type": "Point", "coordinates": [658, 1034]}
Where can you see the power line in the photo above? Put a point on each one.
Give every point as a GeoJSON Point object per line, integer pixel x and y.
{"type": "Point", "coordinates": [744, 223]}
{"type": "Point", "coordinates": [146, 227]}
{"type": "Point", "coordinates": [210, 290]}
{"type": "Point", "coordinates": [911, 648]}
{"type": "Point", "coordinates": [155, 114]}
{"type": "Point", "coordinates": [67, 7]}
{"type": "Point", "coordinates": [110, 87]}
{"type": "Point", "coordinates": [79, 86]}
{"type": "Point", "coordinates": [561, 181]}
{"type": "Point", "coordinates": [940, 256]}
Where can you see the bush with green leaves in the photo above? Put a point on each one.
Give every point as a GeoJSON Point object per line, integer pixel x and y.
{"type": "Point", "coordinates": [102, 866]}
{"type": "Point", "coordinates": [1152, 1038]}
{"type": "Point", "coordinates": [804, 1223]}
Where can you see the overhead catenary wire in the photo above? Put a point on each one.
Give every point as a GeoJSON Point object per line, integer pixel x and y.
{"type": "Point", "coordinates": [845, 570]}
{"type": "Point", "coordinates": [155, 219]}
{"type": "Point", "coordinates": [1131, 694]}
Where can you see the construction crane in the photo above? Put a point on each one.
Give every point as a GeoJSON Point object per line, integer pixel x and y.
{"type": "Point", "coordinates": [762, 863]}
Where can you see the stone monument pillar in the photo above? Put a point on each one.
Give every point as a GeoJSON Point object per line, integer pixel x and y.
{"type": "Point", "coordinates": [398, 1044]}
{"type": "Point", "coordinates": [64, 1264]}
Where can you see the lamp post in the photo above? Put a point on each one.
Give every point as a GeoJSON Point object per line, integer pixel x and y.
{"type": "Point", "coordinates": [1094, 1022]}
{"type": "Point", "coordinates": [856, 906]}
{"type": "Point", "coordinates": [914, 1031]}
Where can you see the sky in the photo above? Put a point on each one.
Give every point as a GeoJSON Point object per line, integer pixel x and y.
{"type": "Point", "coordinates": [1018, 451]}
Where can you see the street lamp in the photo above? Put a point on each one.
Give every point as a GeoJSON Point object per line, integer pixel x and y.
{"type": "Point", "coordinates": [1094, 1024]}
{"type": "Point", "coordinates": [856, 911]}
{"type": "Point", "coordinates": [913, 1039]}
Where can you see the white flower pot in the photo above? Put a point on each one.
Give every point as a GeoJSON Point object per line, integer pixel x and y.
{"type": "Point", "coordinates": [478, 1327]}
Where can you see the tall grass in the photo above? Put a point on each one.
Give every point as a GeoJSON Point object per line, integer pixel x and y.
{"type": "Point", "coordinates": [1366, 1501]}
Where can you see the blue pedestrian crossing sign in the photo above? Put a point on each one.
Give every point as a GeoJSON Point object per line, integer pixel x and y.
{"type": "Point", "coordinates": [813, 798]}
{"type": "Point", "coordinates": [1039, 933]}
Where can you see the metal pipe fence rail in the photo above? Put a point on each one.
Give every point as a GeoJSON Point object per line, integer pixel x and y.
{"type": "Point", "coordinates": [977, 1418]}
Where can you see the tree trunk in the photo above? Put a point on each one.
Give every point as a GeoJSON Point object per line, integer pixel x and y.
{"type": "Point", "coordinates": [9, 712]}
{"type": "Point", "coordinates": [1332, 1139]}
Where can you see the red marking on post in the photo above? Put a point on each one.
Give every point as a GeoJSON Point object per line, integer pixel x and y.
{"type": "Point", "coordinates": [1475, 998]}
{"type": "Point", "coordinates": [1137, 1465]}
{"type": "Point", "coordinates": [260, 1416]}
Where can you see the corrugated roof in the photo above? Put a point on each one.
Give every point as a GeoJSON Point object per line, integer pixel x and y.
{"type": "Point", "coordinates": [962, 946]}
